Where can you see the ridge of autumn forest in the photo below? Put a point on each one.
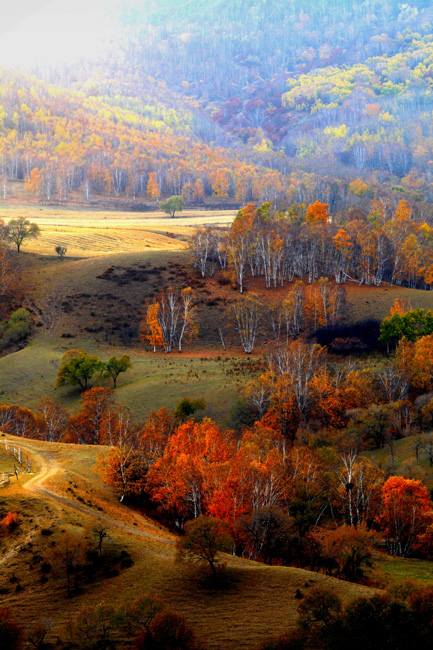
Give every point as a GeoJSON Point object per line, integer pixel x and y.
{"type": "Point", "coordinates": [220, 437]}
{"type": "Point", "coordinates": [290, 113]}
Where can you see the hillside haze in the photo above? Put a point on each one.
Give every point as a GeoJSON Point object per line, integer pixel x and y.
{"type": "Point", "coordinates": [283, 101]}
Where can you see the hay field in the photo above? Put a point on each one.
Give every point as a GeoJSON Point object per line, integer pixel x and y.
{"type": "Point", "coordinates": [94, 233]}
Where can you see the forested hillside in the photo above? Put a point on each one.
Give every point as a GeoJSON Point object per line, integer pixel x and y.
{"type": "Point", "coordinates": [59, 141]}
{"type": "Point", "coordinates": [272, 101]}
{"type": "Point", "coordinates": [348, 82]}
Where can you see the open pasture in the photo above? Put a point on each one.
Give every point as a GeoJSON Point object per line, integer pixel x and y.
{"type": "Point", "coordinates": [400, 457]}
{"type": "Point", "coordinates": [89, 233]}
{"type": "Point", "coordinates": [154, 381]}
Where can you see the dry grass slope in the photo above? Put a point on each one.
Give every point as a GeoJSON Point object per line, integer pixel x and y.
{"type": "Point", "coordinates": [259, 601]}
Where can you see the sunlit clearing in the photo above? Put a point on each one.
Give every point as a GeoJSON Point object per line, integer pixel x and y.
{"type": "Point", "coordinates": [38, 32]}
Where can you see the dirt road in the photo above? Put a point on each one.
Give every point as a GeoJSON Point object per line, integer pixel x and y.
{"type": "Point", "coordinates": [49, 468]}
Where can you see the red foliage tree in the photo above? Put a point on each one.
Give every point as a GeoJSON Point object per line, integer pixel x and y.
{"type": "Point", "coordinates": [406, 513]}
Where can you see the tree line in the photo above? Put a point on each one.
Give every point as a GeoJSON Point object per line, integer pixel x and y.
{"type": "Point", "coordinates": [171, 318]}
{"type": "Point", "coordinates": [383, 246]}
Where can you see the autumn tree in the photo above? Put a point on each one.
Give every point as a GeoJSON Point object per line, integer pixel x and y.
{"type": "Point", "coordinates": [168, 316]}
{"type": "Point", "coordinates": [153, 190]}
{"type": "Point", "coordinates": [51, 420]}
{"type": "Point", "coordinates": [266, 534]}
{"type": "Point", "coordinates": [86, 427]}
{"type": "Point", "coordinates": [204, 539]}
{"type": "Point", "coordinates": [421, 366]}
{"type": "Point", "coordinates": [293, 310]}
{"type": "Point", "coordinates": [126, 465]}
{"type": "Point", "coordinates": [203, 251]}
{"type": "Point", "coordinates": [188, 316]}
{"type": "Point", "coordinates": [406, 514]}
{"type": "Point", "coordinates": [150, 329]}
{"type": "Point", "coordinates": [318, 213]}
{"type": "Point", "coordinates": [20, 229]}
{"type": "Point", "coordinates": [358, 488]}
{"type": "Point", "coordinates": [349, 549]}
{"type": "Point", "coordinates": [221, 183]}
{"type": "Point", "coordinates": [182, 480]}
{"type": "Point", "coordinates": [246, 313]}
{"type": "Point", "coordinates": [167, 630]}
{"type": "Point", "coordinates": [17, 420]}
{"type": "Point", "coordinates": [188, 193]}
{"type": "Point", "coordinates": [155, 434]}
{"type": "Point", "coordinates": [324, 302]}
{"type": "Point", "coordinates": [198, 190]}
{"type": "Point", "coordinates": [94, 627]}
{"type": "Point", "coordinates": [171, 318]}
{"type": "Point", "coordinates": [238, 245]}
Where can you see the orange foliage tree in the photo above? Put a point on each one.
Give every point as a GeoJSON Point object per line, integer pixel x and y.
{"type": "Point", "coordinates": [153, 189]}
{"type": "Point", "coordinates": [406, 514]}
{"type": "Point", "coordinates": [150, 329]}
{"type": "Point", "coordinates": [87, 425]}
{"type": "Point", "coordinates": [183, 480]}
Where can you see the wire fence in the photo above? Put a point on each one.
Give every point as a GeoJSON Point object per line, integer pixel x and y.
{"type": "Point", "coordinates": [25, 464]}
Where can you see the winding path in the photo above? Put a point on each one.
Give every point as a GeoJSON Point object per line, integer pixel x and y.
{"type": "Point", "coordinates": [49, 468]}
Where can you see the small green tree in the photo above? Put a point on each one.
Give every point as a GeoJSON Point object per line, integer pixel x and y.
{"type": "Point", "coordinates": [78, 368]}
{"type": "Point", "coordinates": [187, 407]}
{"type": "Point", "coordinates": [114, 367]}
{"type": "Point", "coordinates": [61, 251]}
{"type": "Point", "coordinates": [20, 229]}
{"type": "Point", "coordinates": [172, 205]}
{"type": "Point", "coordinates": [16, 329]}
{"type": "Point", "coordinates": [204, 538]}
{"type": "Point", "coordinates": [413, 324]}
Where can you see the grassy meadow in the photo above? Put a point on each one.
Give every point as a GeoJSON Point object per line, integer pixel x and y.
{"type": "Point", "coordinates": [154, 380]}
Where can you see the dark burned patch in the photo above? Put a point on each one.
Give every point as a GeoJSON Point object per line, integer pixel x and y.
{"type": "Point", "coordinates": [67, 307]}
{"type": "Point", "coordinates": [353, 338]}
{"type": "Point", "coordinates": [122, 275]}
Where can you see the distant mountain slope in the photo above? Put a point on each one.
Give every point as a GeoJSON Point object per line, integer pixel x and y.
{"type": "Point", "coordinates": [276, 100]}
{"type": "Point", "coordinates": [335, 86]}
{"type": "Point", "coordinates": [60, 141]}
